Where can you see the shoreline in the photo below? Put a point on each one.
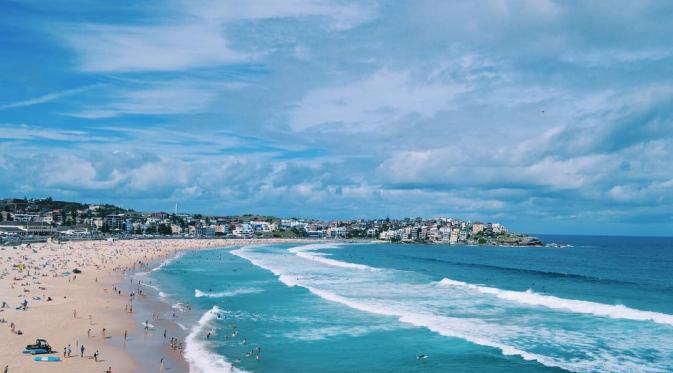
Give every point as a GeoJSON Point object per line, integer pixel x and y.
{"type": "Point", "coordinates": [72, 309]}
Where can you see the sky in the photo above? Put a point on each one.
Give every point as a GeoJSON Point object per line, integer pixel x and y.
{"type": "Point", "coordinates": [546, 116]}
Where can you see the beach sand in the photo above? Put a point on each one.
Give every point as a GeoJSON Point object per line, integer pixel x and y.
{"type": "Point", "coordinates": [82, 304]}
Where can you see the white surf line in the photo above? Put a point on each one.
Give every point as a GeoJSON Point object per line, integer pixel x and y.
{"type": "Point", "coordinates": [307, 252]}
{"type": "Point", "coordinates": [168, 261]}
{"type": "Point", "coordinates": [222, 294]}
{"type": "Point", "coordinates": [424, 321]}
{"type": "Point", "coordinates": [444, 325]}
{"type": "Point", "coordinates": [196, 352]}
{"type": "Point", "coordinates": [562, 304]}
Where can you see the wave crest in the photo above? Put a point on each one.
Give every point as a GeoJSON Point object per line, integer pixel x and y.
{"type": "Point", "coordinates": [532, 298]}
{"type": "Point", "coordinates": [196, 353]}
{"type": "Point", "coordinates": [222, 294]}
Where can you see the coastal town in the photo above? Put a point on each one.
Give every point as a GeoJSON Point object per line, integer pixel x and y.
{"type": "Point", "coordinates": [38, 219]}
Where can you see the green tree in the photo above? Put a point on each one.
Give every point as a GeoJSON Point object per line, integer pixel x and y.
{"type": "Point", "coordinates": [164, 229]}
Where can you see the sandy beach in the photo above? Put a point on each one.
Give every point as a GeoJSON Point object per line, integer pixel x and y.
{"type": "Point", "coordinates": [69, 310]}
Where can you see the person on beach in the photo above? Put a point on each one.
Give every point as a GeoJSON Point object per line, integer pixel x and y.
{"type": "Point", "coordinates": [95, 356]}
{"type": "Point", "coordinates": [81, 351]}
{"type": "Point", "coordinates": [69, 350]}
{"type": "Point", "coordinates": [161, 364]}
{"type": "Point", "coordinates": [125, 334]}
{"type": "Point", "coordinates": [65, 350]}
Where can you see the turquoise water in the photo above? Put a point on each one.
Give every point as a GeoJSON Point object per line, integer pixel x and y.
{"type": "Point", "coordinates": [603, 305]}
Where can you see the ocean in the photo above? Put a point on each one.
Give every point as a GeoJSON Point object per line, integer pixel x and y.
{"type": "Point", "coordinates": [602, 304]}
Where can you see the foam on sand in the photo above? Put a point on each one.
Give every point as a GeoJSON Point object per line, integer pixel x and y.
{"type": "Point", "coordinates": [532, 298]}
{"type": "Point", "coordinates": [196, 352]}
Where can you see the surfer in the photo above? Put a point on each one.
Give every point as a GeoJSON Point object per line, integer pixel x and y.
{"type": "Point", "coordinates": [421, 356]}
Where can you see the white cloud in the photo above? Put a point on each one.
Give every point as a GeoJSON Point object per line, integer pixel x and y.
{"type": "Point", "coordinates": [158, 48]}
{"type": "Point", "coordinates": [194, 38]}
{"type": "Point", "coordinates": [165, 98]}
{"type": "Point", "coordinates": [46, 98]}
{"type": "Point", "coordinates": [341, 15]}
{"type": "Point", "coordinates": [9, 131]}
{"type": "Point", "coordinates": [381, 99]}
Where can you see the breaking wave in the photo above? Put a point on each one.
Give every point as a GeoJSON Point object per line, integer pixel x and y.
{"type": "Point", "coordinates": [222, 294]}
{"type": "Point", "coordinates": [196, 352]}
{"type": "Point", "coordinates": [532, 298]}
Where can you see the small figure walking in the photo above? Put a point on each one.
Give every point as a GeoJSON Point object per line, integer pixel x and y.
{"type": "Point", "coordinates": [81, 351]}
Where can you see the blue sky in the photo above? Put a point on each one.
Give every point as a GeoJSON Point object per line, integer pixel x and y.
{"type": "Point", "coordinates": [546, 116]}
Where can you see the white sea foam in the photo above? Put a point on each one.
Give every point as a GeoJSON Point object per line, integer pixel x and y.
{"type": "Point", "coordinates": [446, 326]}
{"type": "Point", "coordinates": [243, 253]}
{"type": "Point", "coordinates": [321, 333]}
{"type": "Point", "coordinates": [308, 252]}
{"type": "Point", "coordinates": [222, 294]}
{"type": "Point", "coordinates": [481, 315]}
{"type": "Point", "coordinates": [196, 352]}
{"type": "Point", "coordinates": [161, 293]}
{"type": "Point", "coordinates": [532, 298]}
{"type": "Point", "coordinates": [168, 261]}
{"type": "Point", "coordinates": [180, 307]}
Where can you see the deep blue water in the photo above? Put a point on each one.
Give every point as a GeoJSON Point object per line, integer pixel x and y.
{"type": "Point", "coordinates": [605, 304]}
